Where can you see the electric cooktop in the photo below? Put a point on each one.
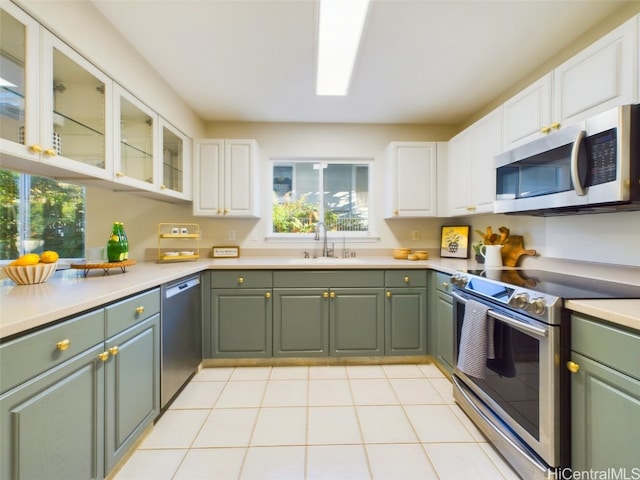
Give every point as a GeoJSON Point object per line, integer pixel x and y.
{"type": "Point", "coordinates": [562, 285]}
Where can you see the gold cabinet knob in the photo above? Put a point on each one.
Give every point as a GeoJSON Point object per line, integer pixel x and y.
{"type": "Point", "coordinates": [226, 210]}
{"type": "Point", "coordinates": [389, 294]}
{"type": "Point", "coordinates": [50, 152]}
{"type": "Point", "coordinates": [103, 357]}
{"type": "Point", "coordinates": [406, 279]}
{"type": "Point", "coordinates": [119, 174]}
{"type": "Point", "coordinates": [395, 212]}
{"type": "Point", "coordinates": [36, 148]}
{"type": "Point", "coordinates": [332, 294]}
{"type": "Point", "coordinates": [139, 310]}
{"type": "Point", "coordinates": [445, 284]}
{"type": "Point", "coordinates": [240, 280]}
{"type": "Point", "coordinates": [163, 187]}
{"type": "Point", "coordinates": [471, 208]}
{"type": "Point", "coordinates": [555, 126]}
{"type": "Point", "coordinates": [325, 294]}
{"type": "Point", "coordinates": [63, 344]}
{"type": "Point", "coordinates": [573, 367]}
{"type": "Point", "coordinates": [219, 211]}
{"type": "Point", "coordinates": [545, 130]}
{"type": "Point", "coordinates": [267, 295]}
{"type": "Point", "coordinates": [114, 350]}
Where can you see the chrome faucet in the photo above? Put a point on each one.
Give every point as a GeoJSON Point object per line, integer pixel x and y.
{"type": "Point", "coordinates": [326, 251]}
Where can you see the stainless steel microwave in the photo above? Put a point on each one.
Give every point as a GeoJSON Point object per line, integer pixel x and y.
{"type": "Point", "coordinates": [591, 167]}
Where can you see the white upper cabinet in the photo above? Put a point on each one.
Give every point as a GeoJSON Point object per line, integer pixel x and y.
{"type": "Point", "coordinates": [526, 114]}
{"type": "Point", "coordinates": [56, 107]}
{"type": "Point", "coordinates": [136, 141]}
{"type": "Point", "coordinates": [600, 77]}
{"type": "Point", "coordinates": [410, 177]}
{"type": "Point", "coordinates": [226, 178]}
{"type": "Point", "coordinates": [471, 178]}
{"type": "Point", "coordinates": [174, 162]}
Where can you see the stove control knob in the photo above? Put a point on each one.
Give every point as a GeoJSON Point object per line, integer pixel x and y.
{"type": "Point", "coordinates": [459, 280]}
{"type": "Point", "coordinates": [521, 300]}
{"type": "Point", "coordinates": [537, 306]}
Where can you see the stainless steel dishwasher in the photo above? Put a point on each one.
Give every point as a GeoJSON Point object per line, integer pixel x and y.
{"type": "Point", "coordinates": [181, 335]}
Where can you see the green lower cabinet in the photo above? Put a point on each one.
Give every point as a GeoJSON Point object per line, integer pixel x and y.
{"type": "Point", "coordinates": [53, 425]}
{"type": "Point", "coordinates": [406, 321]}
{"type": "Point", "coordinates": [132, 387]}
{"type": "Point", "coordinates": [605, 417]}
{"type": "Point", "coordinates": [356, 322]}
{"type": "Point", "coordinates": [441, 327]}
{"type": "Point", "coordinates": [300, 322]}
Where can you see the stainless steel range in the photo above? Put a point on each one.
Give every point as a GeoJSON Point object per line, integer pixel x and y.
{"type": "Point", "coordinates": [511, 340]}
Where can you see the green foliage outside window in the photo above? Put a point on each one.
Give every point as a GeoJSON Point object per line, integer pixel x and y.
{"type": "Point", "coordinates": [50, 216]}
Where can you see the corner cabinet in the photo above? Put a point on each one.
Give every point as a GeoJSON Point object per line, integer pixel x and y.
{"type": "Point", "coordinates": [411, 179]}
{"type": "Point", "coordinates": [74, 397]}
{"type": "Point", "coordinates": [226, 178]}
{"type": "Point", "coordinates": [471, 175]}
{"type": "Point", "coordinates": [605, 395]}
{"type": "Point", "coordinates": [441, 328]}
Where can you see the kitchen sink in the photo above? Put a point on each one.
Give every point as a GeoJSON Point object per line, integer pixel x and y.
{"type": "Point", "coordinates": [325, 261]}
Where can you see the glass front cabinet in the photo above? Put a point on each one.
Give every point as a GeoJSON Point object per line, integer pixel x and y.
{"type": "Point", "coordinates": [62, 117]}
{"type": "Point", "coordinates": [55, 106]}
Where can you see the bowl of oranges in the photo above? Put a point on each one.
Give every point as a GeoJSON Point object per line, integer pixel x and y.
{"type": "Point", "coordinates": [32, 268]}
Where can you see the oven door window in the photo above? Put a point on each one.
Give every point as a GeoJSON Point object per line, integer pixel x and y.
{"type": "Point", "coordinates": [513, 376]}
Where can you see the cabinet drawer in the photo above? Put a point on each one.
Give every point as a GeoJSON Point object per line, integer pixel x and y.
{"type": "Point", "coordinates": [614, 347]}
{"type": "Point", "coordinates": [27, 356]}
{"type": "Point", "coordinates": [442, 282]}
{"type": "Point", "coordinates": [405, 278]}
{"type": "Point", "coordinates": [241, 279]}
{"type": "Point", "coordinates": [328, 278]}
{"type": "Point", "coordinates": [128, 312]}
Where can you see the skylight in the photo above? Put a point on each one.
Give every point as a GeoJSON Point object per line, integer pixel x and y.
{"type": "Point", "coordinates": [340, 29]}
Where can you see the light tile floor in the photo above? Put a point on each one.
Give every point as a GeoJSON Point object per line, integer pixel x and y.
{"type": "Point", "coordinates": [354, 422]}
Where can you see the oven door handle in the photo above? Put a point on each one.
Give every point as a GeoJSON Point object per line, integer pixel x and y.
{"type": "Point", "coordinates": [539, 332]}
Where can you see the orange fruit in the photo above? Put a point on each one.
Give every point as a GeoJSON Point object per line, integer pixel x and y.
{"type": "Point", "coordinates": [28, 259]}
{"type": "Point", "coordinates": [49, 257]}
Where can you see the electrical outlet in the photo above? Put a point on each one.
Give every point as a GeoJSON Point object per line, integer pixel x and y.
{"type": "Point", "coordinates": [231, 234]}
{"type": "Point", "coordinates": [415, 235]}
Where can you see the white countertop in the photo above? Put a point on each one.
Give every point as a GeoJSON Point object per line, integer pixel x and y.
{"type": "Point", "coordinates": [68, 292]}
{"type": "Point", "coordinates": [620, 312]}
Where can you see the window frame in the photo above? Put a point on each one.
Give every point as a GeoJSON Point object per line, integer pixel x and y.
{"type": "Point", "coordinates": [366, 236]}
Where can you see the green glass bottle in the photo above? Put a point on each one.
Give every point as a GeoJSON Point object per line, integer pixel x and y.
{"type": "Point", "coordinates": [114, 245]}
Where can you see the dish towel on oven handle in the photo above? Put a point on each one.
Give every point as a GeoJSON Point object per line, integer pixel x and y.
{"type": "Point", "coordinates": [474, 340]}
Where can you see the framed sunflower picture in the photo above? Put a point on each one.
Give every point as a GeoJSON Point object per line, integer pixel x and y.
{"type": "Point", "coordinates": [454, 241]}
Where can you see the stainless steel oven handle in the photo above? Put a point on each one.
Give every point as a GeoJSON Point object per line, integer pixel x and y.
{"type": "Point", "coordinates": [575, 177]}
{"type": "Point", "coordinates": [524, 327]}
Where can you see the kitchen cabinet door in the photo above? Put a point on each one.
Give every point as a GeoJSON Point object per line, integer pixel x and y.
{"type": "Point", "coordinates": [443, 330]}
{"type": "Point", "coordinates": [406, 321]}
{"type": "Point", "coordinates": [226, 179]}
{"type": "Point", "coordinates": [300, 322]}
{"type": "Point", "coordinates": [356, 321]}
{"type": "Point", "coordinates": [605, 417]}
{"type": "Point", "coordinates": [598, 78]}
{"type": "Point", "coordinates": [53, 425]}
{"type": "Point", "coordinates": [411, 179]}
{"type": "Point", "coordinates": [472, 172]}
{"type": "Point", "coordinates": [136, 139]}
{"type": "Point", "coordinates": [241, 323]}
{"type": "Point", "coordinates": [132, 379]}
{"type": "Point", "coordinates": [174, 163]}
{"type": "Point", "coordinates": [528, 114]}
